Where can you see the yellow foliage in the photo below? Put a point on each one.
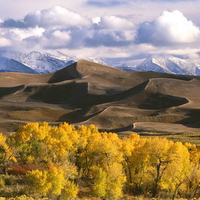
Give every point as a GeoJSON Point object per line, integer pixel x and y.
{"type": "Point", "coordinates": [22, 197]}
{"type": "Point", "coordinates": [194, 153]}
{"type": "Point", "coordinates": [70, 191]}
{"type": "Point", "coordinates": [41, 143]}
{"type": "Point", "coordinates": [115, 181]}
{"type": "Point", "coordinates": [38, 181]}
{"type": "Point", "coordinates": [47, 181]}
{"type": "Point", "coordinates": [64, 154]}
{"type": "Point", "coordinates": [100, 183]}
{"type": "Point", "coordinates": [5, 150]}
{"type": "Point", "coordinates": [56, 177]}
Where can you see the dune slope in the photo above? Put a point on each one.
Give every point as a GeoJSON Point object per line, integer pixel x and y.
{"type": "Point", "coordinates": [114, 100]}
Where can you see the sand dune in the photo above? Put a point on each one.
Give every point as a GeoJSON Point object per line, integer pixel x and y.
{"type": "Point", "coordinates": [86, 92]}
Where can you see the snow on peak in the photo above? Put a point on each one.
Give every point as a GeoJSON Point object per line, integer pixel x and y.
{"type": "Point", "coordinates": [169, 64]}
{"type": "Point", "coordinates": [41, 62]}
{"type": "Point", "coordinates": [37, 62]}
{"type": "Point", "coordinates": [45, 62]}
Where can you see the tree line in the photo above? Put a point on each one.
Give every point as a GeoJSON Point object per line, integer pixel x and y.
{"type": "Point", "coordinates": [63, 159]}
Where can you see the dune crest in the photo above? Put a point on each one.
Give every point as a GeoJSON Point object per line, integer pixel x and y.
{"type": "Point", "coordinates": [115, 100]}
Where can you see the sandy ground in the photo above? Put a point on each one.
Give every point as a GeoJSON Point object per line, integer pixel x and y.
{"type": "Point", "coordinates": [86, 93]}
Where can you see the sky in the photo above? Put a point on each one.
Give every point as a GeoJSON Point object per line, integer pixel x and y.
{"type": "Point", "coordinates": [118, 31]}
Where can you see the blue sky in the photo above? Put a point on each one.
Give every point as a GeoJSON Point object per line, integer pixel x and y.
{"type": "Point", "coordinates": [118, 30]}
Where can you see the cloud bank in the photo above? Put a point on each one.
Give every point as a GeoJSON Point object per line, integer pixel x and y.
{"type": "Point", "coordinates": [59, 28]}
{"type": "Point", "coordinates": [55, 17]}
{"type": "Point", "coordinates": [169, 28]}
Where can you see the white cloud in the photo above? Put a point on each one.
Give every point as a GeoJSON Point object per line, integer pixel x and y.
{"type": "Point", "coordinates": [21, 34]}
{"type": "Point", "coordinates": [113, 34]}
{"type": "Point", "coordinates": [55, 40]}
{"type": "Point", "coordinates": [110, 31]}
{"type": "Point", "coordinates": [169, 28]}
{"type": "Point", "coordinates": [4, 42]}
{"type": "Point", "coordinates": [115, 23]}
{"type": "Point", "coordinates": [56, 17]}
{"type": "Point", "coordinates": [109, 38]}
{"type": "Point", "coordinates": [96, 20]}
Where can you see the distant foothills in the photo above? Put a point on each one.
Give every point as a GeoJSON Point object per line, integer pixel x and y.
{"type": "Point", "coordinates": [42, 63]}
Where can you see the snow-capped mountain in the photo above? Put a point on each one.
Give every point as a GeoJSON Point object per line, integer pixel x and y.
{"type": "Point", "coordinates": [96, 60]}
{"type": "Point", "coordinates": [46, 62]}
{"type": "Point", "coordinates": [10, 65]}
{"type": "Point", "coordinates": [41, 63]}
{"type": "Point", "coordinates": [37, 62]}
{"type": "Point", "coordinates": [127, 68]}
{"type": "Point", "coordinates": [169, 64]}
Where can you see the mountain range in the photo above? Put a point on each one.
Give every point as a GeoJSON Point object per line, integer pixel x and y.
{"type": "Point", "coordinates": [169, 64]}
{"type": "Point", "coordinates": [10, 65]}
{"type": "Point", "coordinates": [41, 63]}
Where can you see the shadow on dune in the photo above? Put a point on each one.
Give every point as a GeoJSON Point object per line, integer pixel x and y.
{"type": "Point", "coordinates": [126, 97]}
{"type": "Point", "coordinates": [57, 94]}
{"type": "Point", "coordinates": [193, 119]}
{"type": "Point", "coordinates": [9, 90]}
{"type": "Point", "coordinates": [161, 101]}
{"type": "Point", "coordinates": [78, 116]}
{"type": "Point", "coordinates": [67, 73]}
{"type": "Point", "coordinates": [72, 94]}
{"type": "Point", "coordinates": [131, 92]}
{"type": "Point", "coordinates": [116, 130]}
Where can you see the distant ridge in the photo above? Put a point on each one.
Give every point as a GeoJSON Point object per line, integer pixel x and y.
{"type": "Point", "coordinates": [10, 65]}
{"type": "Point", "coordinates": [169, 64]}
{"type": "Point", "coordinates": [43, 63]}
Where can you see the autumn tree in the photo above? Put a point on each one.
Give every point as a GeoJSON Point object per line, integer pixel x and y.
{"type": "Point", "coordinates": [63, 158]}
{"type": "Point", "coordinates": [134, 168]}
{"type": "Point", "coordinates": [192, 185]}
{"type": "Point", "coordinates": [6, 153]}
{"type": "Point", "coordinates": [100, 159]}
{"type": "Point", "coordinates": [50, 150]}
{"type": "Point", "coordinates": [155, 164]}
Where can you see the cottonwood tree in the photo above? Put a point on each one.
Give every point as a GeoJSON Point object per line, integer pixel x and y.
{"type": "Point", "coordinates": [155, 164]}
{"type": "Point", "coordinates": [100, 159]}
{"type": "Point", "coordinates": [192, 185]}
{"type": "Point", "coordinates": [50, 150]}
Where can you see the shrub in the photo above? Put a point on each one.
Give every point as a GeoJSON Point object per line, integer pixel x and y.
{"type": "Point", "coordinates": [9, 180]}
{"type": "Point", "coordinates": [18, 170]}
{"type": "Point", "coordinates": [70, 191]}
{"type": "Point", "coordinates": [2, 182]}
